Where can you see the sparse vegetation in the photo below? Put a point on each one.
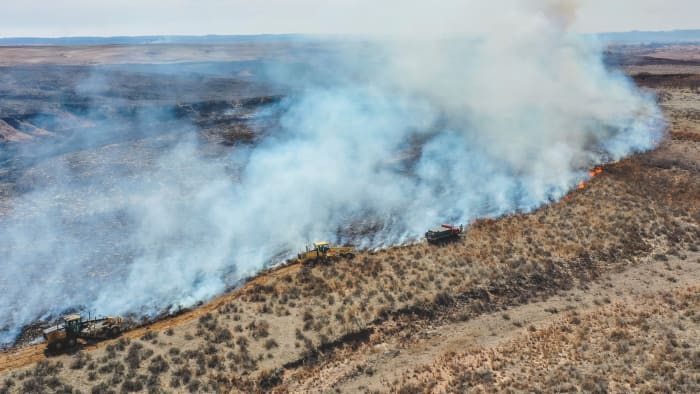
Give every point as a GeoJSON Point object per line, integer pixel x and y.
{"type": "Point", "coordinates": [640, 211]}
{"type": "Point", "coordinates": [625, 337]}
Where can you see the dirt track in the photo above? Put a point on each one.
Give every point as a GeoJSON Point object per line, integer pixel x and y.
{"type": "Point", "coordinates": [17, 358]}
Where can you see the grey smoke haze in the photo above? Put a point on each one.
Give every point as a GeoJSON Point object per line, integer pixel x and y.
{"type": "Point", "coordinates": [157, 17]}
{"type": "Point", "coordinates": [394, 136]}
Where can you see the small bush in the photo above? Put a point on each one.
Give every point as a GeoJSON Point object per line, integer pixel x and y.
{"type": "Point", "coordinates": [270, 343]}
{"type": "Point", "coordinates": [442, 298]}
{"type": "Point", "coordinates": [149, 335]}
{"type": "Point", "coordinates": [158, 365]}
{"type": "Point", "coordinates": [133, 356]}
{"type": "Point", "coordinates": [269, 379]}
{"type": "Point", "coordinates": [193, 387]}
{"type": "Point", "coordinates": [131, 386]}
{"type": "Point", "coordinates": [660, 257]}
{"type": "Point", "coordinates": [260, 329]}
{"type": "Point", "coordinates": [222, 335]}
{"type": "Point", "coordinates": [101, 388]}
{"type": "Point", "coordinates": [79, 361]}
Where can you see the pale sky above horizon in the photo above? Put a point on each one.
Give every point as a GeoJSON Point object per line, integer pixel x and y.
{"type": "Point", "coordinates": [56, 18]}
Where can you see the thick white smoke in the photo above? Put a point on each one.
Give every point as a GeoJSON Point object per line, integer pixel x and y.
{"type": "Point", "coordinates": [377, 144]}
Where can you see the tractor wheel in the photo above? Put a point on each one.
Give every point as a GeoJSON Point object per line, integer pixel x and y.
{"type": "Point", "coordinates": [71, 342]}
{"type": "Point", "coordinates": [114, 331]}
{"type": "Point", "coordinates": [349, 256]}
{"type": "Point", "coordinates": [54, 346]}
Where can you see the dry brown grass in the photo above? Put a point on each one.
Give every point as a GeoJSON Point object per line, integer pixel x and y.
{"type": "Point", "coordinates": [649, 346]}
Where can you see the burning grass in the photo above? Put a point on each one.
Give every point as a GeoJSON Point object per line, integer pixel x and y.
{"type": "Point", "coordinates": [630, 211]}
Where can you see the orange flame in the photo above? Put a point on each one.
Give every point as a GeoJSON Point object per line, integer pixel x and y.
{"type": "Point", "coordinates": [581, 186]}
{"type": "Point", "coordinates": [596, 171]}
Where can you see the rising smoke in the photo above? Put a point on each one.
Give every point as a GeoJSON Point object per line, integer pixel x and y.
{"type": "Point", "coordinates": [377, 142]}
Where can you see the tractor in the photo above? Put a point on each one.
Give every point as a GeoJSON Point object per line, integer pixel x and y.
{"type": "Point", "coordinates": [323, 252]}
{"type": "Point", "coordinates": [72, 327]}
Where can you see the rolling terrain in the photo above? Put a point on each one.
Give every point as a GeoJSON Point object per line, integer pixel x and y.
{"type": "Point", "coordinates": [597, 292]}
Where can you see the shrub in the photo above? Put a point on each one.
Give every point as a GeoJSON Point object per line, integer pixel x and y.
{"type": "Point", "coordinates": [214, 362]}
{"type": "Point", "coordinates": [268, 379]}
{"type": "Point", "coordinates": [131, 386]}
{"type": "Point", "coordinates": [442, 298]}
{"type": "Point", "coordinates": [183, 374]}
{"type": "Point", "coordinates": [222, 335]}
{"type": "Point", "coordinates": [9, 382]}
{"type": "Point", "coordinates": [101, 389]}
{"type": "Point", "coordinates": [158, 365]}
{"type": "Point", "coordinates": [242, 342]}
{"type": "Point", "coordinates": [270, 343]}
{"type": "Point", "coordinates": [133, 356]}
{"type": "Point", "coordinates": [79, 361]}
{"type": "Point", "coordinates": [210, 349]}
{"type": "Point", "coordinates": [193, 387]}
{"type": "Point", "coordinates": [149, 335]}
{"type": "Point", "coordinates": [660, 257]}
{"type": "Point", "coordinates": [259, 329]}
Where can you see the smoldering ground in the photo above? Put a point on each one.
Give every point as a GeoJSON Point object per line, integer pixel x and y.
{"type": "Point", "coordinates": [374, 142]}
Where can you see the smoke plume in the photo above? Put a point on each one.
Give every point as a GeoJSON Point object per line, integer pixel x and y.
{"type": "Point", "coordinates": [377, 141]}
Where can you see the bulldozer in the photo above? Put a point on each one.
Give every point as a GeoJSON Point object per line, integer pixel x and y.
{"type": "Point", "coordinates": [70, 328]}
{"type": "Point", "coordinates": [323, 252]}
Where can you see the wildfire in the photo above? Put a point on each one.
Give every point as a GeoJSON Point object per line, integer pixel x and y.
{"type": "Point", "coordinates": [596, 171]}
{"type": "Point", "coordinates": [593, 173]}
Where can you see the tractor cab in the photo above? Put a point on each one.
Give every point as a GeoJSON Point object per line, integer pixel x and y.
{"type": "Point", "coordinates": [65, 334]}
{"type": "Point", "coordinates": [72, 324]}
{"type": "Point", "coordinates": [322, 247]}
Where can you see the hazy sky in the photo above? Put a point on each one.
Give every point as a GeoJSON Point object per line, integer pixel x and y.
{"type": "Point", "coordinates": [196, 17]}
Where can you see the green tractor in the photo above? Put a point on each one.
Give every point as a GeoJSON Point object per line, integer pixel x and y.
{"type": "Point", "coordinates": [323, 252]}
